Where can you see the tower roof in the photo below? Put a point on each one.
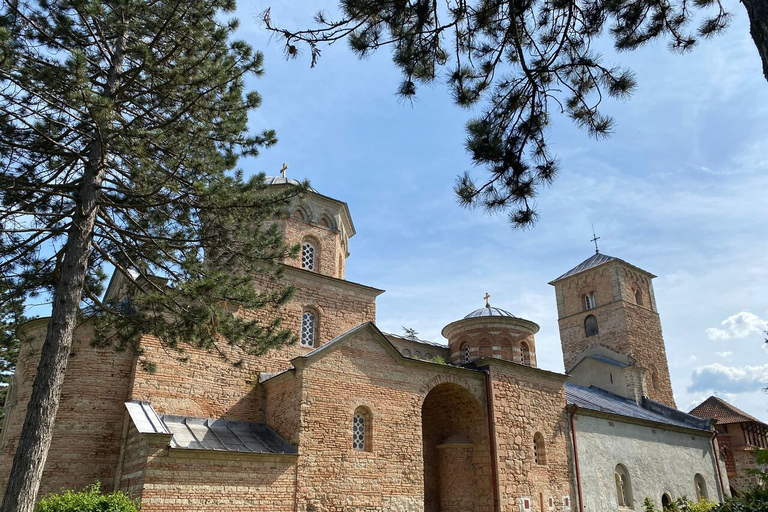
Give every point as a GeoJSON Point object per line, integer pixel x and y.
{"type": "Point", "coordinates": [593, 261]}
{"type": "Point", "coordinates": [489, 311]}
{"type": "Point", "coordinates": [722, 411]}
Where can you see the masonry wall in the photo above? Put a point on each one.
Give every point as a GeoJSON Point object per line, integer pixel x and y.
{"type": "Point", "coordinates": [182, 480]}
{"type": "Point", "coordinates": [205, 385]}
{"type": "Point", "coordinates": [744, 460]}
{"type": "Point", "coordinates": [86, 436]}
{"type": "Point", "coordinates": [657, 460]}
{"type": "Point", "coordinates": [283, 406]}
{"type": "Point", "coordinates": [527, 401]}
{"type": "Point", "coordinates": [389, 477]}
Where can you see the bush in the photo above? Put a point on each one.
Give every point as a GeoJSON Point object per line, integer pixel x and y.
{"type": "Point", "coordinates": [90, 499]}
{"type": "Point", "coordinates": [683, 505]}
{"type": "Point", "coordinates": [754, 500]}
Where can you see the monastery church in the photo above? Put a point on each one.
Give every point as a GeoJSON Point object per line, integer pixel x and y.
{"type": "Point", "coordinates": [353, 419]}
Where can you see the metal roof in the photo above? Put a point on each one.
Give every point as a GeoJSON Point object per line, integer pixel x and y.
{"type": "Point", "coordinates": [208, 434]}
{"type": "Point", "coordinates": [490, 311]}
{"type": "Point", "coordinates": [415, 340]}
{"type": "Point", "coordinates": [596, 399]}
{"type": "Point", "coordinates": [279, 180]}
{"type": "Point", "coordinates": [608, 360]}
{"type": "Point", "coordinates": [591, 262]}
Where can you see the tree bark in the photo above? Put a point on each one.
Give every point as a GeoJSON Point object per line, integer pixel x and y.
{"type": "Point", "coordinates": [757, 10]}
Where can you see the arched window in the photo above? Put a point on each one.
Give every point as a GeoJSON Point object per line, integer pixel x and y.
{"type": "Point", "coordinates": [589, 301]}
{"type": "Point", "coordinates": [308, 329]}
{"type": "Point", "coordinates": [666, 501]}
{"type": "Point", "coordinates": [406, 352]}
{"type": "Point", "coordinates": [590, 326]}
{"type": "Point", "coordinates": [525, 352]}
{"type": "Point", "coordinates": [623, 487]}
{"type": "Point", "coordinates": [654, 378]}
{"type": "Point", "coordinates": [308, 256]}
{"type": "Point", "coordinates": [638, 298]}
{"type": "Point", "coordinates": [539, 449]}
{"type": "Point", "coordinates": [361, 430]}
{"type": "Point", "coordinates": [465, 352]}
{"type": "Point", "coordinates": [417, 354]}
{"type": "Point", "coordinates": [428, 356]}
{"type": "Point", "coordinates": [701, 487]}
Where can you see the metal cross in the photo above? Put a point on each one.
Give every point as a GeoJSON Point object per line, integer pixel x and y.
{"type": "Point", "coordinates": [487, 296]}
{"type": "Point", "coordinates": [595, 238]}
{"type": "Point", "coordinates": [285, 168]}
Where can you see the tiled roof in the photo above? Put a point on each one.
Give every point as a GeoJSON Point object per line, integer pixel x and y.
{"type": "Point", "coordinates": [591, 262]}
{"type": "Point", "coordinates": [489, 311]}
{"type": "Point", "coordinates": [722, 411]}
{"type": "Point", "coordinates": [597, 399]}
{"type": "Point", "coordinates": [208, 434]}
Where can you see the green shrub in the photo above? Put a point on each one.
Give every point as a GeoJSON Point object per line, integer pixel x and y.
{"type": "Point", "coordinates": [90, 499]}
{"type": "Point", "coordinates": [683, 505]}
{"type": "Point", "coordinates": [754, 500]}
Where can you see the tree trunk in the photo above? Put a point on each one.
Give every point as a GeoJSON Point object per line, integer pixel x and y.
{"type": "Point", "coordinates": [757, 10]}
{"type": "Point", "coordinates": [37, 431]}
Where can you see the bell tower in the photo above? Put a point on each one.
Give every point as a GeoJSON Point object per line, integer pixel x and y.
{"type": "Point", "coordinates": [605, 301]}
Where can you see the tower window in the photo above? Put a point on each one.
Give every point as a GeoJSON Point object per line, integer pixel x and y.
{"type": "Point", "coordinates": [539, 451]}
{"type": "Point", "coordinates": [590, 326]}
{"type": "Point", "coordinates": [623, 487]}
{"type": "Point", "coordinates": [638, 298]}
{"type": "Point", "coordinates": [361, 430]}
{"type": "Point", "coordinates": [589, 301]}
{"type": "Point", "coordinates": [525, 352]}
{"type": "Point", "coordinates": [308, 325]}
{"type": "Point", "coordinates": [465, 352]}
{"type": "Point", "coordinates": [307, 256]}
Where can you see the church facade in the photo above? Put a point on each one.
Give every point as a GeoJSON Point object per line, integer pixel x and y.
{"type": "Point", "coordinates": [353, 419]}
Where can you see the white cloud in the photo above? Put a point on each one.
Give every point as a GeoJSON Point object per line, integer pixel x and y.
{"type": "Point", "coordinates": [729, 379]}
{"type": "Point", "coordinates": [740, 325]}
{"type": "Point", "coordinates": [725, 355]}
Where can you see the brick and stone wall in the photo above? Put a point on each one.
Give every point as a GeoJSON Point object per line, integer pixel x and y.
{"type": "Point", "coordinates": [517, 391]}
{"type": "Point", "coordinates": [89, 422]}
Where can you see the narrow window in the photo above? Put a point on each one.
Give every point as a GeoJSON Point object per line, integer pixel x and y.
{"type": "Point", "coordinates": [666, 501]}
{"type": "Point", "coordinates": [539, 450]}
{"type": "Point", "coordinates": [623, 487]}
{"type": "Point", "coordinates": [307, 256]}
{"type": "Point", "coordinates": [638, 298]}
{"type": "Point", "coordinates": [589, 301]}
{"type": "Point", "coordinates": [361, 430]}
{"type": "Point", "coordinates": [701, 487]}
{"type": "Point", "coordinates": [590, 326]}
{"type": "Point", "coordinates": [308, 329]}
{"type": "Point", "coordinates": [526, 353]}
{"type": "Point", "coordinates": [465, 352]}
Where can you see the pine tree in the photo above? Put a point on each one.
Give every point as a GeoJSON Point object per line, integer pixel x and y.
{"type": "Point", "coordinates": [121, 122]}
{"type": "Point", "coordinates": [522, 60]}
{"type": "Point", "coordinates": [11, 317]}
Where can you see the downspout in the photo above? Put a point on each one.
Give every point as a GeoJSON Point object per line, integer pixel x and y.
{"type": "Point", "coordinates": [492, 434]}
{"type": "Point", "coordinates": [572, 411]}
{"type": "Point", "coordinates": [715, 456]}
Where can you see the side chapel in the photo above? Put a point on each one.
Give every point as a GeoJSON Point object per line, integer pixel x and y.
{"type": "Point", "coordinates": [354, 419]}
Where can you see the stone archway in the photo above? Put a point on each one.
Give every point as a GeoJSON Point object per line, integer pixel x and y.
{"type": "Point", "coordinates": [457, 462]}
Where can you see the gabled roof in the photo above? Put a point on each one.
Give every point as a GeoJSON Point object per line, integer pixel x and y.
{"type": "Point", "coordinates": [608, 360]}
{"type": "Point", "coordinates": [593, 261]}
{"type": "Point", "coordinates": [722, 411]}
{"type": "Point", "coordinates": [596, 399]}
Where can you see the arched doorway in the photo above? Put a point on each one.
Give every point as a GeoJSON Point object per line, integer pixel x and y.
{"type": "Point", "coordinates": [456, 451]}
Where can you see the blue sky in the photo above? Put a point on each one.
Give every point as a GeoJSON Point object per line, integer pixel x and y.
{"type": "Point", "coordinates": [679, 190]}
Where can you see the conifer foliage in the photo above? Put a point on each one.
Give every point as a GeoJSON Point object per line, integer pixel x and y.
{"type": "Point", "coordinates": [522, 61]}
{"type": "Point", "coordinates": [121, 122]}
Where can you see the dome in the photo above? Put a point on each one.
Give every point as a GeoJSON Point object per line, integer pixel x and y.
{"type": "Point", "coordinates": [489, 311]}
{"type": "Point", "coordinates": [279, 180]}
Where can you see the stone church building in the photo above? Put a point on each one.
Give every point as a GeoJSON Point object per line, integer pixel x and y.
{"type": "Point", "coordinates": [353, 419]}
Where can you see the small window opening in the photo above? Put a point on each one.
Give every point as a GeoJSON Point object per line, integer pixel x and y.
{"type": "Point", "coordinates": [308, 325]}
{"type": "Point", "coordinates": [526, 354]}
{"type": "Point", "coordinates": [623, 487]}
{"type": "Point", "coordinates": [307, 256]}
{"type": "Point", "coordinates": [539, 451]}
{"type": "Point", "coordinates": [666, 501]}
{"type": "Point", "coordinates": [590, 326]}
{"type": "Point", "coordinates": [361, 430]}
{"type": "Point", "coordinates": [701, 487]}
{"type": "Point", "coordinates": [465, 352]}
{"type": "Point", "coordinates": [638, 298]}
{"type": "Point", "coordinates": [589, 301]}
{"type": "Point", "coordinates": [611, 375]}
